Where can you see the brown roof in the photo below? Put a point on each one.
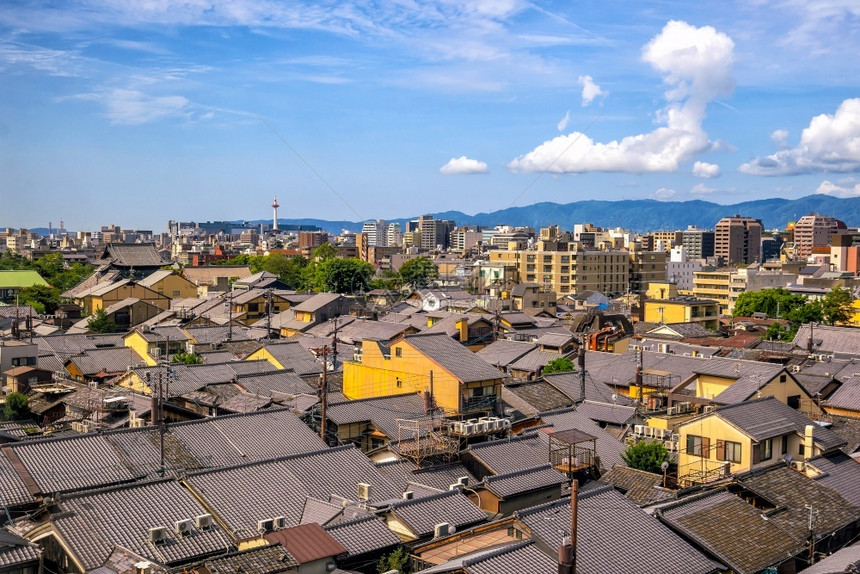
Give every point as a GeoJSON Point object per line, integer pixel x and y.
{"type": "Point", "coordinates": [307, 542]}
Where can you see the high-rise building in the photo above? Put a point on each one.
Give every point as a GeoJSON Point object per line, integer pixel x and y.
{"type": "Point", "coordinates": [738, 239]}
{"type": "Point", "coordinates": [814, 230]}
{"type": "Point", "coordinates": [394, 235]}
{"type": "Point", "coordinates": [376, 232]}
{"type": "Point", "coordinates": [698, 243]}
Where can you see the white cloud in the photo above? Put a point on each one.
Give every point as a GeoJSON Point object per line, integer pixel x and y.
{"type": "Point", "coordinates": [463, 165]}
{"type": "Point", "coordinates": [664, 194]}
{"type": "Point", "coordinates": [780, 139]}
{"type": "Point", "coordinates": [590, 90]}
{"type": "Point", "coordinates": [132, 107]}
{"type": "Point", "coordinates": [563, 123]}
{"type": "Point", "coordinates": [707, 170]}
{"type": "Point", "coordinates": [843, 188]}
{"type": "Point", "coordinates": [697, 66]}
{"type": "Point", "coordinates": [701, 189]}
{"type": "Point", "coordinates": [831, 143]}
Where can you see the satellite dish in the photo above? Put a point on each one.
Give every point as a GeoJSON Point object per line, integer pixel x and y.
{"type": "Point", "coordinates": [664, 466]}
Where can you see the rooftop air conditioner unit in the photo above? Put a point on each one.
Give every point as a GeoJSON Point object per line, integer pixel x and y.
{"type": "Point", "coordinates": [408, 495]}
{"type": "Point", "coordinates": [464, 480]}
{"type": "Point", "coordinates": [455, 486]}
{"type": "Point", "coordinates": [468, 429]}
{"type": "Point", "coordinates": [157, 534]}
{"type": "Point", "coordinates": [506, 423]}
{"type": "Point", "coordinates": [363, 491]}
{"type": "Point", "coordinates": [670, 446]}
{"type": "Point", "coordinates": [709, 408]}
{"type": "Point", "coordinates": [279, 522]}
{"type": "Point", "coordinates": [442, 529]}
{"type": "Point", "coordinates": [671, 411]}
{"type": "Point", "coordinates": [265, 525]}
{"type": "Point", "coordinates": [795, 369]}
{"type": "Point", "coordinates": [182, 527]}
{"type": "Point", "coordinates": [639, 430]}
{"type": "Point", "coordinates": [203, 521]}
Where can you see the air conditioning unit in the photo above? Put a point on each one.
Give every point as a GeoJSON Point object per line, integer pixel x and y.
{"type": "Point", "coordinates": [709, 408]}
{"type": "Point", "coordinates": [795, 369]}
{"type": "Point", "coordinates": [670, 445]}
{"type": "Point", "coordinates": [363, 491]}
{"type": "Point", "coordinates": [649, 432]}
{"type": "Point", "coordinates": [265, 525]}
{"type": "Point", "coordinates": [408, 495]}
{"type": "Point", "coordinates": [181, 527]}
{"type": "Point", "coordinates": [279, 522]}
{"type": "Point", "coordinates": [455, 486]}
{"type": "Point", "coordinates": [94, 384]}
{"type": "Point", "coordinates": [480, 427]}
{"type": "Point", "coordinates": [457, 427]}
{"type": "Point", "coordinates": [671, 411]}
{"type": "Point", "coordinates": [157, 534]}
{"type": "Point", "coordinates": [442, 529]}
{"type": "Point", "coordinates": [506, 423]}
{"type": "Point", "coordinates": [685, 407]}
{"type": "Point", "coordinates": [143, 567]}
{"type": "Point", "coordinates": [639, 430]}
{"type": "Point", "coordinates": [468, 429]}
{"type": "Point", "coordinates": [203, 521]}
{"type": "Point", "coordinates": [658, 433]}
{"type": "Point", "coordinates": [464, 480]}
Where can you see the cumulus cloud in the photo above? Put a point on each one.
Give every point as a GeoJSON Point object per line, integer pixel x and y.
{"type": "Point", "coordinates": [706, 170]}
{"type": "Point", "coordinates": [696, 64]}
{"type": "Point", "coordinates": [844, 188]}
{"type": "Point", "coordinates": [563, 123]}
{"type": "Point", "coordinates": [664, 194]}
{"type": "Point", "coordinates": [831, 143]}
{"type": "Point", "coordinates": [780, 139]}
{"type": "Point", "coordinates": [590, 90]}
{"type": "Point", "coordinates": [463, 165]}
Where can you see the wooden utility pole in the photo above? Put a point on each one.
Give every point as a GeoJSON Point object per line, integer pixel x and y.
{"type": "Point", "coordinates": [324, 393]}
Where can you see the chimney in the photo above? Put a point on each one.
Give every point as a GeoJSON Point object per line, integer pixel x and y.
{"type": "Point", "coordinates": [807, 441]}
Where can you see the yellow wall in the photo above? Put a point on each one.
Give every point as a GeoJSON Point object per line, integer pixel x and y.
{"type": "Point", "coordinates": [842, 412]}
{"type": "Point", "coordinates": [92, 303]}
{"type": "Point", "coordinates": [131, 381]}
{"type": "Point", "coordinates": [791, 388]}
{"type": "Point", "coordinates": [141, 346]}
{"type": "Point", "coordinates": [176, 287]}
{"type": "Point", "coordinates": [264, 354]}
{"type": "Point", "coordinates": [709, 386]}
{"type": "Point", "coordinates": [715, 429]}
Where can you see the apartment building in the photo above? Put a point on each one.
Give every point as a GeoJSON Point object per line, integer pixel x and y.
{"type": "Point", "coordinates": [699, 243]}
{"type": "Point", "coordinates": [738, 239]}
{"type": "Point", "coordinates": [814, 230]}
{"type": "Point", "coordinates": [714, 285]}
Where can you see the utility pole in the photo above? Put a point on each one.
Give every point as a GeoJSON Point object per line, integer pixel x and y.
{"type": "Point", "coordinates": [811, 535]}
{"type": "Point", "coordinates": [230, 316]}
{"type": "Point", "coordinates": [581, 361]}
{"type": "Point", "coordinates": [161, 425]}
{"type": "Point", "coordinates": [323, 390]}
{"type": "Point", "coordinates": [639, 376]}
{"type": "Point", "coordinates": [268, 314]}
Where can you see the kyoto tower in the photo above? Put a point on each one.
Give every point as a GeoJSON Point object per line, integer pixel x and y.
{"type": "Point", "coordinates": [275, 207]}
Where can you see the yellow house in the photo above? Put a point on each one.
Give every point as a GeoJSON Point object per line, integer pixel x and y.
{"type": "Point", "coordinates": [664, 305]}
{"type": "Point", "coordinates": [170, 283]}
{"type": "Point", "coordinates": [460, 381]}
{"type": "Point", "coordinates": [288, 355]}
{"type": "Point", "coordinates": [104, 295]}
{"type": "Point", "coordinates": [744, 436]}
{"type": "Point", "coordinates": [156, 343]}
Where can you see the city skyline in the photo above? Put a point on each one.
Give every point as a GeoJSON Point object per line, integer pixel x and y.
{"type": "Point", "coordinates": [127, 112]}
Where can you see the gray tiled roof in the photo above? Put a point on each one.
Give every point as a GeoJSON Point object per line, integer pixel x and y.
{"type": "Point", "coordinates": [606, 412]}
{"type": "Point", "coordinates": [382, 412]}
{"type": "Point", "coordinates": [793, 491]}
{"type": "Point", "coordinates": [133, 255]}
{"type": "Point", "coordinates": [320, 511]}
{"type": "Point", "coordinates": [287, 482]}
{"type": "Point", "coordinates": [454, 357]}
{"type": "Point", "coordinates": [317, 302]}
{"type": "Point", "coordinates": [569, 384]}
{"type": "Point", "coordinates": [277, 381]}
{"type": "Point", "coordinates": [65, 346]}
{"type": "Point", "coordinates": [421, 515]}
{"type": "Point", "coordinates": [363, 536]}
{"type": "Point", "coordinates": [609, 448]}
{"type": "Point", "coordinates": [841, 473]}
{"type": "Point", "coordinates": [403, 473]}
{"type": "Point", "coordinates": [847, 396]}
{"type": "Point", "coordinates": [111, 360]}
{"type": "Point", "coordinates": [611, 535]}
{"type": "Point", "coordinates": [93, 523]}
{"type": "Point", "coordinates": [526, 480]}
{"type": "Point", "coordinates": [844, 561]}
{"type": "Point", "coordinates": [641, 487]}
{"type": "Point", "coordinates": [534, 361]}
{"type": "Point", "coordinates": [733, 531]}
{"type": "Point", "coordinates": [539, 395]}
{"type": "Point", "coordinates": [17, 552]}
{"type": "Point", "coordinates": [503, 352]}
{"type": "Point", "coordinates": [216, 334]}
{"type": "Point", "coordinates": [264, 560]}
{"type": "Point", "coordinates": [768, 417]}
{"type": "Point", "coordinates": [293, 356]}
{"type": "Point", "coordinates": [509, 455]}
{"type": "Point", "coordinates": [842, 341]}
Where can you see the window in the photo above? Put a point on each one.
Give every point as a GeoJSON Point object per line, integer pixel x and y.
{"type": "Point", "coordinates": [784, 445]}
{"type": "Point", "coordinates": [176, 293]}
{"type": "Point", "coordinates": [698, 445]}
{"type": "Point", "coordinates": [794, 401]}
{"type": "Point", "coordinates": [398, 352]}
{"type": "Point", "coordinates": [766, 449]}
{"type": "Point", "coordinates": [728, 450]}
{"type": "Point", "coordinates": [399, 383]}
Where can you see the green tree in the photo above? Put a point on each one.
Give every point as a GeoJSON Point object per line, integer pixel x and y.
{"type": "Point", "coordinates": [42, 298]}
{"type": "Point", "coordinates": [419, 272]}
{"type": "Point", "coordinates": [324, 252]}
{"type": "Point", "coordinates": [769, 301]}
{"type": "Point", "coordinates": [187, 358]}
{"type": "Point", "coordinates": [560, 365]}
{"type": "Point", "coordinates": [647, 456]}
{"type": "Point", "coordinates": [836, 306]}
{"type": "Point", "coordinates": [809, 313]}
{"type": "Point", "coordinates": [288, 269]}
{"type": "Point", "coordinates": [100, 323]}
{"type": "Point", "coordinates": [397, 560]}
{"type": "Point", "coordinates": [778, 332]}
{"type": "Point", "coordinates": [17, 407]}
{"type": "Point", "coordinates": [342, 276]}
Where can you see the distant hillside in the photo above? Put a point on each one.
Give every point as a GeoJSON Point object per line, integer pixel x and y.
{"type": "Point", "coordinates": [637, 215]}
{"type": "Point", "coordinates": [641, 215]}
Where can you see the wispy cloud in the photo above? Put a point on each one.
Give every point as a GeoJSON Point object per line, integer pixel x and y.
{"type": "Point", "coordinates": [463, 165]}
{"type": "Point", "coordinates": [133, 107]}
{"type": "Point", "coordinates": [697, 66]}
{"type": "Point", "coordinates": [701, 189]}
{"type": "Point", "coordinates": [664, 194]}
{"type": "Point", "coordinates": [45, 60]}
{"type": "Point", "coordinates": [562, 124]}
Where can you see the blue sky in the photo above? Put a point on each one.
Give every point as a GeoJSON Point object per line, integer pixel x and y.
{"type": "Point", "coordinates": [136, 112]}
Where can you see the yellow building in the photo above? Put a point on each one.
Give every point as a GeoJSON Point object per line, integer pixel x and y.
{"type": "Point", "coordinates": [460, 381]}
{"type": "Point", "coordinates": [170, 283]}
{"type": "Point", "coordinates": [104, 295]}
{"type": "Point", "coordinates": [154, 344]}
{"type": "Point", "coordinates": [745, 436]}
{"type": "Point", "coordinates": [664, 305]}
{"type": "Point", "coordinates": [714, 285]}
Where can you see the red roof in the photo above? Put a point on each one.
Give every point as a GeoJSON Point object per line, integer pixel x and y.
{"type": "Point", "coordinates": [307, 542]}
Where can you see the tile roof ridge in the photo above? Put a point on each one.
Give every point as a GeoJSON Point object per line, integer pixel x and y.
{"type": "Point", "coordinates": [561, 411]}
{"type": "Point", "coordinates": [520, 437]}
{"type": "Point", "coordinates": [518, 472]}
{"type": "Point", "coordinates": [250, 463]}
{"type": "Point", "coordinates": [685, 500]}
{"type": "Point", "coordinates": [541, 507]}
{"type": "Point", "coordinates": [350, 522]}
{"type": "Point", "coordinates": [230, 416]}
{"type": "Point", "coordinates": [113, 487]}
{"type": "Point", "coordinates": [435, 496]}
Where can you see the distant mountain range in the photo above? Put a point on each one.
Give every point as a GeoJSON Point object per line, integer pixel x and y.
{"type": "Point", "coordinates": [639, 215]}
